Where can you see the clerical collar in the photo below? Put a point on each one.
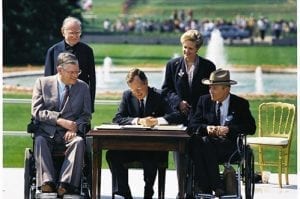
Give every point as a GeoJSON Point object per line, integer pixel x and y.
{"type": "Point", "coordinates": [69, 48]}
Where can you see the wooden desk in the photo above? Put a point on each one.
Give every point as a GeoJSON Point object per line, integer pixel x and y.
{"type": "Point", "coordinates": [128, 139]}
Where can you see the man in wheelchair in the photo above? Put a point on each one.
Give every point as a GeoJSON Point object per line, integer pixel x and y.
{"type": "Point", "coordinates": [61, 108]}
{"type": "Point", "coordinates": [219, 119]}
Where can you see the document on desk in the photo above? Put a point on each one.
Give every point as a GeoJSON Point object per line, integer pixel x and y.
{"type": "Point", "coordinates": [179, 127]}
{"type": "Point", "coordinates": [108, 126]}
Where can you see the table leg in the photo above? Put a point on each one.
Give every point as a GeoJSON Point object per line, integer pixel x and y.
{"type": "Point", "coordinates": [181, 177]}
{"type": "Point", "coordinates": [99, 170]}
{"type": "Point", "coordinates": [95, 171]}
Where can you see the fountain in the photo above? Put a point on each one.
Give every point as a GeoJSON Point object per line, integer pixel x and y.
{"type": "Point", "coordinates": [259, 81]}
{"type": "Point", "coordinates": [216, 53]}
{"type": "Point", "coordinates": [103, 74]}
{"type": "Point", "coordinates": [215, 49]}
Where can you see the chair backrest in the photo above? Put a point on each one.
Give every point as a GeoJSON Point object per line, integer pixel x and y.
{"type": "Point", "coordinates": [276, 119]}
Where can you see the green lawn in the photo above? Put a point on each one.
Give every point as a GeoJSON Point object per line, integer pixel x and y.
{"type": "Point", "coordinates": [158, 55]}
{"type": "Point", "coordinates": [16, 117]}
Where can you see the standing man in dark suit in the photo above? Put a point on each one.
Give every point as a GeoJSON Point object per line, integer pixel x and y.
{"type": "Point", "coordinates": [182, 84]}
{"type": "Point", "coordinates": [219, 118]}
{"type": "Point", "coordinates": [144, 106]}
{"type": "Point", "coordinates": [71, 31]}
{"type": "Point", "coordinates": [61, 105]}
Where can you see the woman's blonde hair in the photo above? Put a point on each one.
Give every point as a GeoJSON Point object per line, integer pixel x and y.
{"type": "Point", "coordinates": [193, 36]}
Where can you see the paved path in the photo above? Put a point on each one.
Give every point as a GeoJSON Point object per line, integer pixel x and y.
{"type": "Point", "coordinates": [12, 180]}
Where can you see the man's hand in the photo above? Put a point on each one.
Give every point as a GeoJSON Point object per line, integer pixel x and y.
{"type": "Point", "coordinates": [222, 131]}
{"type": "Point", "coordinates": [184, 107]}
{"type": "Point", "coordinates": [67, 124]}
{"type": "Point", "coordinates": [69, 135]}
{"type": "Point", "coordinates": [217, 131]}
{"type": "Point", "coordinates": [148, 121]}
{"type": "Point", "coordinates": [212, 130]}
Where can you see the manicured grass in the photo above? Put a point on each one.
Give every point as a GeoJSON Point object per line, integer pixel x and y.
{"type": "Point", "coordinates": [130, 55]}
{"type": "Point", "coordinates": [17, 119]}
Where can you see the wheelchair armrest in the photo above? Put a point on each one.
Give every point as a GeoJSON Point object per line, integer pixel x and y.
{"type": "Point", "coordinates": [33, 126]}
{"type": "Point", "coordinates": [84, 130]}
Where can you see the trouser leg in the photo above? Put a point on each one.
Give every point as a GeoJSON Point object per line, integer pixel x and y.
{"type": "Point", "coordinates": [73, 162]}
{"type": "Point", "coordinates": [150, 162]}
{"type": "Point", "coordinates": [43, 160]}
{"type": "Point", "coordinates": [116, 160]}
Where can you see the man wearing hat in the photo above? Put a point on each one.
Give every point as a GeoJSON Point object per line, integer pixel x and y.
{"type": "Point", "coordinates": [220, 116]}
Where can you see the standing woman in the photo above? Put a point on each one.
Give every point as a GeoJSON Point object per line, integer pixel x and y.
{"type": "Point", "coordinates": [182, 84]}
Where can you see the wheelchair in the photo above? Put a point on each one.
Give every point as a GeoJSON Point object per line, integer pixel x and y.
{"type": "Point", "coordinates": [31, 190]}
{"type": "Point", "coordinates": [243, 160]}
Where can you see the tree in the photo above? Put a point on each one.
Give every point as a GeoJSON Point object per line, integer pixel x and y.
{"type": "Point", "coordinates": [31, 27]}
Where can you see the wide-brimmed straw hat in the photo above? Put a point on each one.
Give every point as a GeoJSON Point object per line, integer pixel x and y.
{"type": "Point", "coordinates": [219, 77]}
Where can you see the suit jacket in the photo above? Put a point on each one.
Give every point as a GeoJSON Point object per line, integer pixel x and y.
{"type": "Point", "coordinates": [156, 106]}
{"type": "Point", "coordinates": [241, 120]}
{"type": "Point", "coordinates": [45, 105]}
{"type": "Point", "coordinates": [176, 86]}
{"type": "Point", "coordinates": [86, 61]}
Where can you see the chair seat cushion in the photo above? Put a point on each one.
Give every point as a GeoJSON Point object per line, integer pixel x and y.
{"type": "Point", "coordinates": [267, 140]}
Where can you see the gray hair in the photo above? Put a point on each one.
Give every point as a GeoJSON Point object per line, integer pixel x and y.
{"type": "Point", "coordinates": [66, 58]}
{"type": "Point", "coordinates": [70, 19]}
{"type": "Point", "coordinates": [193, 36]}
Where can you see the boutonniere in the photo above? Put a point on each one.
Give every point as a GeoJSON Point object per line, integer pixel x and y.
{"type": "Point", "coordinates": [181, 73]}
{"type": "Point", "coordinates": [229, 118]}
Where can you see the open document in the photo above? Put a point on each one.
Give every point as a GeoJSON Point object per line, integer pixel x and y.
{"type": "Point", "coordinates": [179, 127]}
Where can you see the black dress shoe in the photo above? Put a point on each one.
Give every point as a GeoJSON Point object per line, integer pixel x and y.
{"type": "Point", "coordinates": [148, 193]}
{"type": "Point", "coordinates": [125, 195]}
{"type": "Point", "coordinates": [65, 188]}
{"type": "Point", "coordinates": [48, 187]}
{"type": "Point", "coordinates": [219, 192]}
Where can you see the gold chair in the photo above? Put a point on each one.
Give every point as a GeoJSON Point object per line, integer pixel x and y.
{"type": "Point", "coordinates": [275, 131]}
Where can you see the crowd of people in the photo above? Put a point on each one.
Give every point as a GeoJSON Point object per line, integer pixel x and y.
{"type": "Point", "coordinates": [194, 93]}
{"type": "Point", "coordinates": [181, 21]}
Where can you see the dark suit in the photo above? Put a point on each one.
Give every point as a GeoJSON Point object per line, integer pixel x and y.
{"type": "Point", "coordinates": [208, 151]}
{"type": "Point", "coordinates": [156, 106]}
{"type": "Point", "coordinates": [86, 61]}
{"type": "Point", "coordinates": [45, 110]}
{"type": "Point", "coordinates": [176, 85]}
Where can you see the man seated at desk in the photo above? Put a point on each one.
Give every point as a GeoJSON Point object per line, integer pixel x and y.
{"type": "Point", "coordinates": [140, 105]}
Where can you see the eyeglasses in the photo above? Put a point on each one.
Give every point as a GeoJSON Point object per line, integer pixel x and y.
{"type": "Point", "coordinates": [73, 33]}
{"type": "Point", "coordinates": [72, 72]}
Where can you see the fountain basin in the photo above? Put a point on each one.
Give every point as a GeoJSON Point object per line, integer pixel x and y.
{"type": "Point", "coordinates": [272, 83]}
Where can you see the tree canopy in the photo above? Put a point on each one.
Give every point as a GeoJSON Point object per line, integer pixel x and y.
{"type": "Point", "coordinates": [31, 27]}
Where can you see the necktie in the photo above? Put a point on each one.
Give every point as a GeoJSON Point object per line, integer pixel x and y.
{"type": "Point", "coordinates": [66, 95]}
{"type": "Point", "coordinates": [219, 113]}
{"type": "Point", "coordinates": [142, 108]}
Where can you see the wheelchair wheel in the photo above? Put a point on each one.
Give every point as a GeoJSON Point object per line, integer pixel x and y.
{"type": "Point", "coordinates": [29, 175]}
{"type": "Point", "coordinates": [249, 173]}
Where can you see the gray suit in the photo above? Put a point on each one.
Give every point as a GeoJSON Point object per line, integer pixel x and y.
{"type": "Point", "coordinates": [45, 110]}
